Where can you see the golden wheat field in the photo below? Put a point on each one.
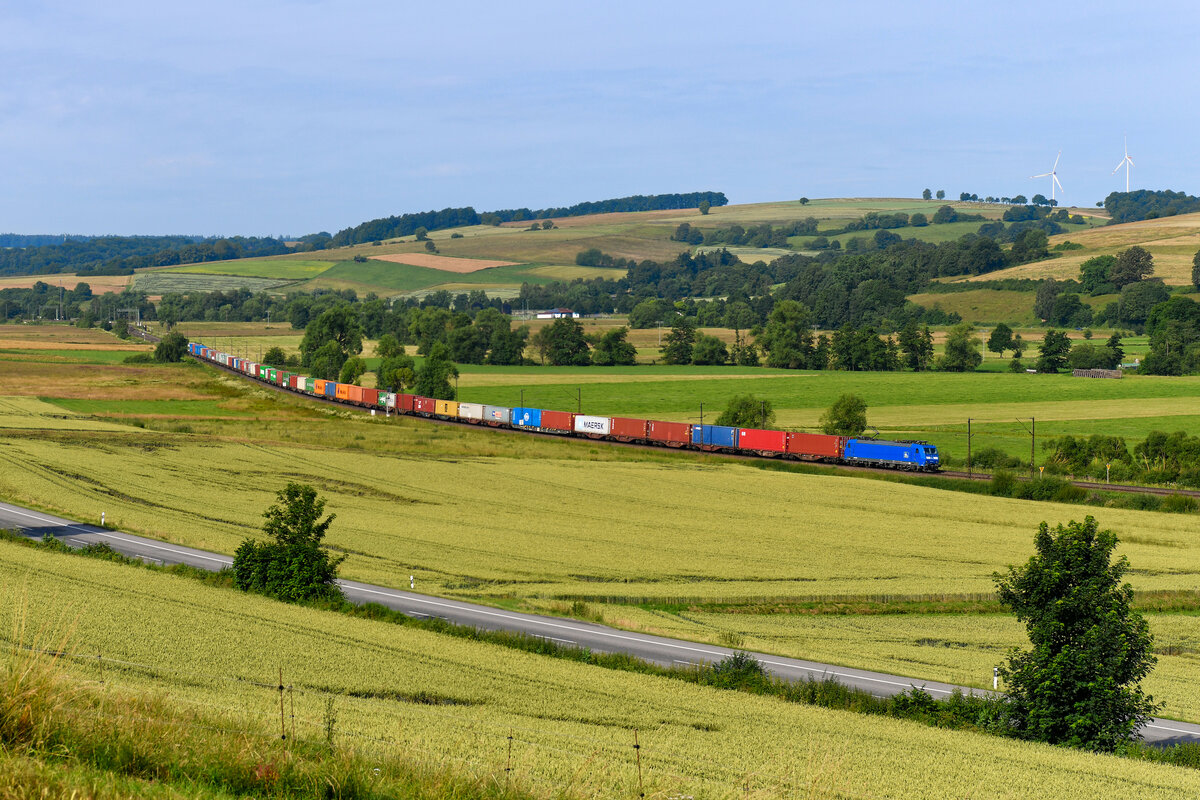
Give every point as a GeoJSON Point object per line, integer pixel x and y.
{"type": "Point", "coordinates": [456, 702]}
{"type": "Point", "coordinates": [955, 648]}
{"type": "Point", "coordinates": [622, 532]}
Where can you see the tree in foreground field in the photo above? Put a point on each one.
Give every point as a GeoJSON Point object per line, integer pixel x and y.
{"type": "Point", "coordinates": [747, 411]}
{"type": "Point", "coordinates": [962, 350]}
{"type": "Point", "coordinates": [172, 347]}
{"type": "Point", "coordinates": [846, 417]}
{"type": "Point", "coordinates": [1079, 685]}
{"type": "Point", "coordinates": [293, 566]}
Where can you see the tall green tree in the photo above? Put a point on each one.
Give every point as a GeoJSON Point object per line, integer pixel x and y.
{"type": "Point", "coordinates": [396, 372]}
{"type": "Point", "coordinates": [962, 350]}
{"type": "Point", "coordinates": [787, 338]}
{"type": "Point", "coordinates": [613, 349]}
{"type": "Point", "coordinates": [293, 566]}
{"type": "Point", "coordinates": [1054, 349]}
{"type": "Point", "coordinates": [1080, 683]}
{"type": "Point", "coordinates": [336, 334]}
{"type": "Point", "coordinates": [172, 347]}
{"type": "Point", "coordinates": [1133, 265]}
{"type": "Point", "coordinates": [1096, 271]}
{"type": "Point", "coordinates": [566, 346]}
{"type": "Point", "coordinates": [704, 207]}
{"type": "Point", "coordinates": [352, 371]}
{"type": "Point", "coordinates": [1001, 339]}
{"type": "Point", "coordinates": [917, 346]}
{"type": "Point", "coordinates": [1196, 270]}
{"type": "Point", "coordinates": [709, 350]}
{"type": "Point", "coordinates": [435, 377]}
{"type": "Point", "coordinates": [747, 411]}
{"type": "Point", "coordinates": [926, 195]}
{"type": "Point", "coordinates": [680, 341]}
{"type": "Point", "coordinates": [846, 417]}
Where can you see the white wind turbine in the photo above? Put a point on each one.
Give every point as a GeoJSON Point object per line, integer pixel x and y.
{"type": "Point", "coordinates": [1126, 162]}
{"type": "Point", "coordinates": [1052, 175]}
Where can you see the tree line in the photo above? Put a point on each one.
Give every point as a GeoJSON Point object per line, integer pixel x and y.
{"type": "Point", "coordinates": [120, 255]}
{"type": "Point", "coordinates": [1148, 204]}
{"type": "Point", "coordinates": [407, 224]}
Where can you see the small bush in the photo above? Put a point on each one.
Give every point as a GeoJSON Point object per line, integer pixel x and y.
{"type": "Point", "coordinates": [1179, 504]}
{"type": "Point", "coordinates": [1139, 502]}
{"type": "Point", "coordinates": [139, 358]}
{"type": "Point", "coordinates": [739, 671]}
{"type": "Point", "coordinates": [1160, 475]}
{"type": "Point", "coordinates": [1003, 483]}
{"type": "Point", "coordinates": [993, 457]}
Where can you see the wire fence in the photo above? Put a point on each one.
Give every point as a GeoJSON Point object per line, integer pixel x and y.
{"type": "Point", "coordinates": [638, 758]}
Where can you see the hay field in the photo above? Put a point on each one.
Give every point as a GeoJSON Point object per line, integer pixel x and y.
{"type": "Point", "coordinates": [99, 283]}
{"type": "Point", "coordinates": [1173, 241]}
{"type": "Point", "coordinates": [571, 723]}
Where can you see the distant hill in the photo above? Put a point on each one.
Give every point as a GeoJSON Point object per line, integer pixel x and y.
{"type": "Point", "coordinates": [1147, 204]}
{"type": "Point", "coordinates": [407, 224]}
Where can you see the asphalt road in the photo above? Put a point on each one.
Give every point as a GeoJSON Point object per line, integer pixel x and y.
{"type": "Point", "coordinates": [658, 649]}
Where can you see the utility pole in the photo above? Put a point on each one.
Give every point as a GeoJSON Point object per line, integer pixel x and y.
{"type": "Point", "coordinates": [702, 413]}
{"type": "Point", "coordinates": [969, 469]}
{"type": "Point", "coordinates": [1032, 440]}
{"type": "Point", "coordinates": [578, 399]}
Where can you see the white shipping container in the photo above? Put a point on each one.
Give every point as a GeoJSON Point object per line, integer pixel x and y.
{"type": "Point", "coordinates": [470, 411]}
{"type": "Point", "coordinates": [597, 426]}
{"type": "Point", "coordinates": [390, 400]}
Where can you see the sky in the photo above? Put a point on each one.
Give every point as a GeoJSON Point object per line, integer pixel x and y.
{"type": "Point", "coordinates": [286, 118]}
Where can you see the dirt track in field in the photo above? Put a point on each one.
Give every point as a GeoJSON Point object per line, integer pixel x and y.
{"type": "Point", "coordinates": [444, 263]}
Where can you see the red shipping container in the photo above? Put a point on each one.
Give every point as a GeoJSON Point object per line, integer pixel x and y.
{"type": "Point", "coordinates": [815, 445]}
{"type": "Point", "coordinates": [762, 441]}
{"type": "Point", "coordinates": [404, 402]}
{"type": "Point", "coordinates": [370, 397]}
{"type": "Point", "coordinates": [627, 429]}
{"type": "Point", "coordinates": [354, 393]}
{"type": "Point", "coordinates": [424, 405]}
{"type": "Point", "coordinates": [293, 381]}
{"type": "Point", "coordinates": [673, 434]}
{"type": "Point", "coordinates": [563, 421]}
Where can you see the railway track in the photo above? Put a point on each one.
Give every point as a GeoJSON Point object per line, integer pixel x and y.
{"type": "Point", "coordinates": [972, 476]}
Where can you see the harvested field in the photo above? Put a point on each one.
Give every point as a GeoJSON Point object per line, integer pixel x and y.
{"type": "Point", "coordinates": [444, 263]}
{"type": "Point", "coordinates": [62, 337]}
{"type": "Point", "coordinates": [99, 283]}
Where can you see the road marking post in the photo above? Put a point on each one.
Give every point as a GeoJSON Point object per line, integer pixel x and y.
{"type": "Point", "coordinates": [995, 678]}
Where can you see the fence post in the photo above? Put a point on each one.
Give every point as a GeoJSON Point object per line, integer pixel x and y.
{"type": "Point", "coordinates": [508, 764]}
{"type": "Point", "coordinates": [282, 723]}
{"type": "Point", "coordinates": [292, 699]}
{"type": "Point", "coordinates": [100, 661]}
{"type": "Point", "coordinates": [637, 749]}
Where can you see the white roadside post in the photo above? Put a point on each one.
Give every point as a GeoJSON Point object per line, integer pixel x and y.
{"type": "Point", "coordinates": [410, 582]}
{"type": "Point", "coordinates": [995, 678]}
{"type": "Point", "coordinates": [101, 519]}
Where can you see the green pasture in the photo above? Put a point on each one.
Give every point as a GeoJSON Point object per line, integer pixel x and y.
{"type": "Point", "coordinates": [68, 355]}
{"type": "Point", "coordinates": [386, 276]}
{"type": "Point", "coordinates": [284, 268]}
{"type": "Point", "coordinates": [982, 305]}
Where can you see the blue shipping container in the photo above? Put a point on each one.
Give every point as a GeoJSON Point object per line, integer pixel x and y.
{"type": "Point", "coordinates": [714, 436]}
{"type": "Point", "coordinates": [331, 388]}
{"type": "Point", "coordinates": [915, 454]}
{"type": "Point", "coordinates": [527, 417]}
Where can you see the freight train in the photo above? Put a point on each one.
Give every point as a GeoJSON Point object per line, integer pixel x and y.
{"type": "Point", "coordinates": [916, 456]}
